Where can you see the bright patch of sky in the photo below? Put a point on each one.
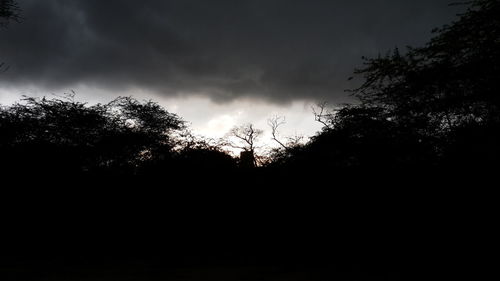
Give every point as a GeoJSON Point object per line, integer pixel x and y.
{"type": "Point", "coordinates": [205, 118]}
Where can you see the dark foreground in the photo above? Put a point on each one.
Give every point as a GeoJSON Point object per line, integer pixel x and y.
{"type": "Point", "coordinates": [249, 226]}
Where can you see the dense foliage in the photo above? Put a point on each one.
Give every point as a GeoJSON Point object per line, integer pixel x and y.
{"type": "Point", "coordinates": [124, 136]}
{"type": "Point", "coordinates": [433, 106]}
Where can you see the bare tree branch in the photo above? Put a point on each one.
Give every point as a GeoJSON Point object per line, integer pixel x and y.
{"type": "Point", "coordinates": [247, 136]}
{"type": "Point", "coordinates": [295, 140]}
{"type": "Point", "coordinates": [321, 114]}
{"type": "Point", "coordinates": [274, 123]}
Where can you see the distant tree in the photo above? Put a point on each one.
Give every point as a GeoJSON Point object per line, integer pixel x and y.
{"type": "Point", "coordinates": [274, 123]}
{"type": "Point", "coordinates": [323, 114]}
{"type": "Point", "coordinates": [288, 147]}
{"type": "Point", "coordinates": [246, 137]}
{"type": "Point", "coordinates": [202, 158]}
{"type": "Point", "coordinates": [191, 153]}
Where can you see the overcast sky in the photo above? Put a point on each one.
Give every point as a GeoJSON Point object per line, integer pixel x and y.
{"type": "Point", "coordinates": [215, 62]}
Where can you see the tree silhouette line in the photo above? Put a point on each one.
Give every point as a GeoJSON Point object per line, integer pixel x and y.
{"type": "Point", "coordinates": [431, 107]}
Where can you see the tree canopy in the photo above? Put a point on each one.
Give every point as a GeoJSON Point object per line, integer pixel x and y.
{"type": "Point", "coordinates": [61, 133]}
{"type": "Point", "coordinates": [435, 105]}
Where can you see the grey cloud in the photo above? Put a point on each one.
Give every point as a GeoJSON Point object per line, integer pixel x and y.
{"type": "Point", "coordinates": [280, 50]}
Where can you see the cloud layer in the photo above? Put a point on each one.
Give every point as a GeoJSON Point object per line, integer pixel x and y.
{"type": "Point", "coordinates": [278, 50]}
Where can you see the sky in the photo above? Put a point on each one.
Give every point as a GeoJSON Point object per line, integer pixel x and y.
{"type": "Point", "coordinates": [216, 63]}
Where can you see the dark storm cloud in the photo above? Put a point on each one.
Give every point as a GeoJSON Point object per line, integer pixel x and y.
{"type": "Point", "coordinates": [280, 50]}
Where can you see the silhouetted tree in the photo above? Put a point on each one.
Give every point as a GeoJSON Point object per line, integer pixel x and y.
{"type": "Point", "coordinates": [288, 147]}
{"type": "Point", "coordinates": [126, 137]}
{"type": "Point", "coordinates": [274, 123]}
{"type": "Point", "coordinates": [447, 85]}
{"type": "Point", "coordinates": [191, 154]}
{"type": "Point", "coordinates": [63, 135]}
{"type": "Point", "coordinates": [323, 114]}
{"type": "Point", "coordinates": [450, 81]}
{"type": "Point", "coordinates": [434, 105]}
{"type": "Point", "coordinates": [246, 137]}
{"type": "Point", "coordinates": [287, 142]}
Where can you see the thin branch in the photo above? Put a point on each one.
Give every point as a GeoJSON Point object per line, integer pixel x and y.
{"type": "Point", "coordinates": [274, 123]}
{"type": "Point", "coordinates": [320, 115]}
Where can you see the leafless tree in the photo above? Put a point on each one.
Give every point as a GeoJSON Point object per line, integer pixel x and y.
{"type": "Point", "coordinates": [246, 138]}
{"type": "Point", "coordinates": [246, 135]}
{"type": "Point", "coordinates": [322, 114]}
{"type": "Point", "coordinates": [295, 140]}
{"type": "Point", "coordinates": [274, 123]}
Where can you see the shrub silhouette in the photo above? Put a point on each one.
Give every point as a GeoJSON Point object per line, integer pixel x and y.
{"type": "Point", "coordinates": [125, 136]}
{"type": "Point", "coordinates": [65, 135]}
